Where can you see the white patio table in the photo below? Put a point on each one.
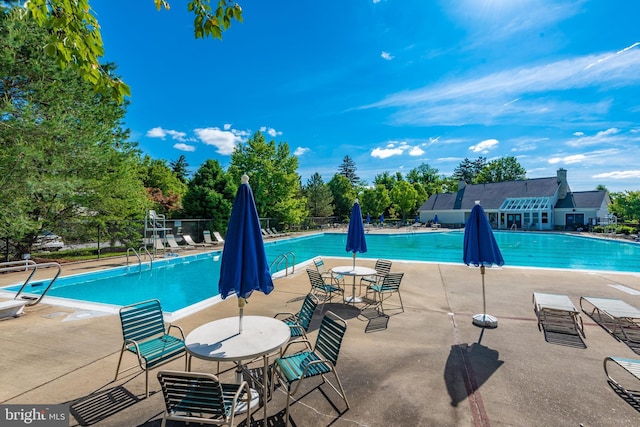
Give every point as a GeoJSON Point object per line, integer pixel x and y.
{"type": "Point", "coordinates": [353, 271]}
{"type": "Point", "coordinates": [219, 341]}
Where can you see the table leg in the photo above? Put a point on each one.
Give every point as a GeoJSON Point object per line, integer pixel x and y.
{"type": "Point", "coordinates": [353, 299]}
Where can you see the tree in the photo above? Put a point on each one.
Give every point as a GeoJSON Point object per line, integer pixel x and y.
{"type": "Point", "coordinates": [343, 195]}
{"type": "Point", "coordinates": [273, 178]}
{"type": "Point", "coordinates": [428, 177]}
{"type": "Point", "coordinates": [387, 179]}
{"type": "Point", "coordinates": [74, 38]}
{"type": "Point", "coordinates": [348, 170]}
{"type": "Point", "coordinates": [63, 153]}
{"type": "Point", "coordinates": [404, 198]}
{"type": "Point", "coordinates": [163, 186]}
{"type": "Point", "coordinates": [179, 168]}
{"type": "Point", "coordinates": [468, 170]}
{"type": "Point", "coordinates": [626, 206]}
{"type": "Point", "coordinates": [210, 195]}
{"type": "Point", "coordinates": [319, 198]}
{"type": "Point", "coordinates": [500, 170]}
{"type": "Point", "coordinates": [374, 201]}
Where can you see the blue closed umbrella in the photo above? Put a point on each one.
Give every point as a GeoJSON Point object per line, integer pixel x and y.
{"type": "Point", "coordinates": [435, 219]}
{"type": "Point", "coordinates": [368, 219]}
{"type": "Point", "coordinates": [481, 250]}
{"type": "Point", "coordinates": [355, 234]}
{"type": "Point", "coordinates": [244, 266]}
{"type": "Point", "coordinates": [382, 218]}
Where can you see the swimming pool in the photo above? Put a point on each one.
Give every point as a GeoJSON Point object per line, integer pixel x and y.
{"type": "Point", "coordinates": [181, 282]}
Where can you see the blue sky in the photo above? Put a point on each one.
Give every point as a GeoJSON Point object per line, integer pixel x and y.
{"type": "Point", "coordinates": [391, 83]}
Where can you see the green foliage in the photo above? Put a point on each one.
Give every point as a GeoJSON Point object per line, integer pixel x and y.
{"type": "Point", "coordinates": [74, 39]}
{"type": "Point", "coordinates": [319, 197]}
{"type": "Point", "coordinates": [428, 178]}
{"type": "Point", "coordinates": [343, 196]}
{"type": "Point", "coordinates": [63, 153]}
{"type": "Point", "coordinates": [273, 178]}
{"type": "Point", "coordinates": [179, 168]}
{"type": "Point", "coordinates": [403, 199]}
{"type": "Point", "coordinates": [164, 187]}
{"type": "Point", "coordinates": [210, 194]}
{"type": "Point", "coordinates": [626, 206]}
{"type": "Point", "coordinates": [468, 170]}
{"type": "Point", "coordinates": [500, 170]}
{"type": "Point", "coordinates": [375, 201]}
{"type": "Point", "coordinates": [348, 170]}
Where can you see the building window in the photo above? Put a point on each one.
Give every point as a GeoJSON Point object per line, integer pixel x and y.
{"type": "Point", "coordinates": [545, 218]}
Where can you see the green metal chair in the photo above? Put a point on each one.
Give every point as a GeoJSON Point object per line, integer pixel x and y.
{"type": "Point", "coordinates": [146, 336]}
{"type": "Point", "coordinates": [202, 399]}
{"type": "Point", "coordinates": [382, 267]}
{"type": "Point", "coordinates": [300, 322]}
{"type": "Point", "coordinates": [320, 288]}
{"type": "Point", "coordinates": [390, 285]}
{"type": "Point", "coordinates": [320, 360]}
{"type": "Point", "coordinates": [336, 279]}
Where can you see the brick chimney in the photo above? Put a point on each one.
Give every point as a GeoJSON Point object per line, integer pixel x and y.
{"type": "Point", "coordinates": [563, 186]}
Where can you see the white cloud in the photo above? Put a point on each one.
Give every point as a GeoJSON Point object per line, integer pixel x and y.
{"type": "Point", "coordinates": [568, 160]}
{"type": "Point", "coordinates": [376, 1]}
{"type": "Point", "coordinates": [299, 151]}
{"type": "Point", "coordinates": [601, 138]}
{"type": "Point", "coordinates": [270, 131]}
{"type": "Point", "coordinates": [578, 134]}
{"type": "Point", "coordinates": [159, 132]}
{"type": "Point", "coordinates": [226, 126]}
{"type": "Point", "coordinates": [184, 147]}
{"type": "Point", "coordinates": [487, 99]}
{"type": "Point", "coordinates": [386, 55]}
{"type": "Point", "coordinates": [416, 151]}
{"type": "Point", "coordinates": [224, 140]}
{"type": "Point", "coordinates": [484, 146]}
{"type": "Point", "coordinates": [383, 153]}
{"type": "Point", "coordinates": [619, 174]}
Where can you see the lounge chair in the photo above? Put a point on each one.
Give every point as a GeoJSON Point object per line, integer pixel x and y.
{"type": "Point", "coordinates": [320, 288]}
{"type": "Point", "coordinates": [208, 240]}
{"type": "Point", "coordinates": [319, 360]}
{"type": "Point", "coordinates": [275, 232]}
{"type": "Point", "coordinates": [390, 285]}
{"type": "Point", "coordinates": [146, 336]}
{"type": "Point", "coordinates": [200, 398]}
{"type": "Point", "coordinates": [218, 237]}
{"type": "Point", "coordinates": [616, 316]}
{"type": "Point", "coordinates": [187, 238]}
{"type": "Point", "coordinates": [173, 243]}
{"type": "Point", "coordinates": [265, 233]}
{"type": "Point", "coordinates": [556, 312]}
{"type": "Point", "coordinates": [631, 369]}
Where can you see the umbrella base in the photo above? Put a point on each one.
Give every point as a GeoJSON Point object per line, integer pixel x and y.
{"type": "Point", "coordinates": [241, 407]}
{"type": "Point", "coordinates": [485, 321]}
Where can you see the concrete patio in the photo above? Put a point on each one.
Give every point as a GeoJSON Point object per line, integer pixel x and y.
{"type": "Point", "coordinates": [428, 366]}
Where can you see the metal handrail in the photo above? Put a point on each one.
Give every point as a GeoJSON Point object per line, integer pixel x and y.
{"type": "Point", "coordinates": [26, 265]}
{"type": "Point", "coordinates": [129, 250]}
{"type": "Point", "coordinates": [143, 249]}
{"type": "Point", "coordinates": [284, 258]}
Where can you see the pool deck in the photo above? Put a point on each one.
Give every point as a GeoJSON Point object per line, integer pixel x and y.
{"type": "Point", "coordinates": [427, 366]}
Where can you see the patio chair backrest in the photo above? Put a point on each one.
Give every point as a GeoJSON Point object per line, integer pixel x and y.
{"type": "Point", "coordinates": [142, 320]}
{"type": "Point", "coordinates": [383, 267]}
{"type": "Point", "coordinates": [391, 282]}
{"type": "Point", "coordinates": [306, 311]}
{"type": "Point", "coordinates": [192, 393]}
{"type": "Point", "coordinates": [316, 279]}
{"type": "Point", "coordinates": [330, 336]}
{"type": "Point", "coordinates": [319, 263]}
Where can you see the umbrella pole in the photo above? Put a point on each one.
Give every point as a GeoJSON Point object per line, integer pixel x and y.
{"type": "Point", "coordinates": [484, 299]}
{"type": "Point", "coordinates": [241, 302]}
{"type": "Point", "coordinates": [354, 260]}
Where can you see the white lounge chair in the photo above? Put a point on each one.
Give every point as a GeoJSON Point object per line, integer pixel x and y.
{"type": "Point", "coordinates": [207, 237]}
{"type": "Point", "coordinates": [616, 316]}
{"type": "Point", "coordinates": [189, 241]}
{"type": "Point", "coordinates": [173, 243]}
{"type": "Point", "coordinates": [623, 366]}
{"type": "Point", "coordinates": [556, 312]}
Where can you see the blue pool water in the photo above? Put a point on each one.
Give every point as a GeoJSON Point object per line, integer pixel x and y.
{"type": "Point", "coordinates": [183, 281]}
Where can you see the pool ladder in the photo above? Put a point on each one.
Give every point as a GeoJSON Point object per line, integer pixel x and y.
{"type": "Point", "coordinates": [284, 258]}
{"type": "Point", "coordinates": [142, 250]}
{"type": "Point", "coordinates": [26, 265]}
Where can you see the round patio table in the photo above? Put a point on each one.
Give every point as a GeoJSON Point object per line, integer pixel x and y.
{"type": "Point", "coordinates": [219, 341]}
{"type": "Point", "coordinates": [354, 271]}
